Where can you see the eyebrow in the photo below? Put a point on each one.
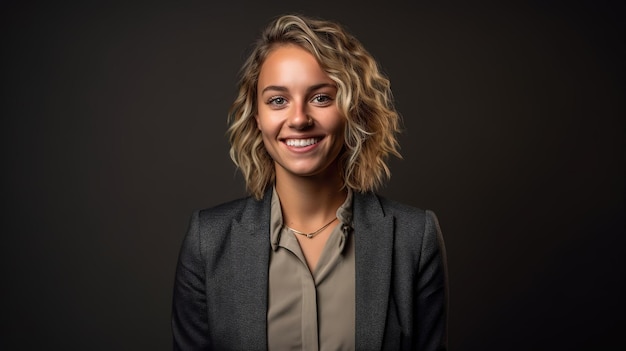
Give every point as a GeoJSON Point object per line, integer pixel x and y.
{"type": "Point", "coordinates": [310, 89]}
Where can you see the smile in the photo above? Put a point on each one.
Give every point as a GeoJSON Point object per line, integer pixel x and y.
{"type": "Point", "coordinates": [301, 142]}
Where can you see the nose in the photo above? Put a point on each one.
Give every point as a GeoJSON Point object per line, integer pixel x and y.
{"type": "Point", "coordinates": [299, 118]}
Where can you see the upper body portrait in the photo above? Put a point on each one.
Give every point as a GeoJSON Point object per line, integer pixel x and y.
{"type": "Point", "coordinates": [313, 258]}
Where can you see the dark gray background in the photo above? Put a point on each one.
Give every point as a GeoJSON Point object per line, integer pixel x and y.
{"type": "Point", "coordinates": [113, 132]}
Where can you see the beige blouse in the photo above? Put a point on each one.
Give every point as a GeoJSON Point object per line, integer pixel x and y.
{"type": "Point", "coordinates": [311, 311]}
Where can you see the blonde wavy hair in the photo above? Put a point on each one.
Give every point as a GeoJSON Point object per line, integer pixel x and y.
{"type": "Point", "coordinates": [363, 97]}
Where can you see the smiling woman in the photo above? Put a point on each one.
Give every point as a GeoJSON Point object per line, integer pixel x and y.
{"type": "Point", "coordinates": [314, 259]}
{"type": "Point", "coordinates": [300, 123]}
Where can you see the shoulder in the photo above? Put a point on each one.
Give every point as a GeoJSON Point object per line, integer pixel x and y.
{"type": "Point", "coordinates": [417, 231]}
{"type": "Point", "coordinates": [399, 210]}
{"type": "Point", "coordinates": [227, 211]}
{"type": "Point", "coordinates": [210, 228]}
{"type": "Point", "coordinates": [246, 211]}
{"type": "Point", "coordinates": [395, 208]}
{"type": "Point", "coordinates": [402, 210]}
{"type": "Point", "coordinates": [409, 220]}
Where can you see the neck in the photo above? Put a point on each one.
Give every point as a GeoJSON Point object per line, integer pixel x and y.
{"type": "Point", "coordinates": [309, 202]}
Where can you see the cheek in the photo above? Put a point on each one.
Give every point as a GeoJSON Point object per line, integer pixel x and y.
{"type": "Point", "coordinates": [257, 120]}
{"type": "Point", "coordinates": [267, 134]}
{"type": "Point", "coordinates": [340, 129]}
{"type": "Point", "coordinates": [341, 134]}
{"type": "Point", "coordinates": [261, 125]}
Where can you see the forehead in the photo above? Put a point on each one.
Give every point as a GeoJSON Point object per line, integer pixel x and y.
{"type": "Point", "coordinates": [291, 64]}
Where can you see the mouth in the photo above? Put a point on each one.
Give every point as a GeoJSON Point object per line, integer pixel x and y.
{"type": "Point", "coordinates": [302, 142]}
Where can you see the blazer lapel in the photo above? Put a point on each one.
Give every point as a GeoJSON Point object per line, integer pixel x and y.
{"type": "Point", "coordinates": [251, 262]}
{"type": "Point", "coordinates": [373, 233]}
{"type": "Point", "coordinates": [374, 246]}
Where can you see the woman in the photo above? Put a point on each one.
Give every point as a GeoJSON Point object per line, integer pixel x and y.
{"type": "Point", "coordinates": [313, 259]}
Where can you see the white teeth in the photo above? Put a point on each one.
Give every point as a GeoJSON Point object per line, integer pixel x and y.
{"type": "Point", "coordinates": [301, 142]}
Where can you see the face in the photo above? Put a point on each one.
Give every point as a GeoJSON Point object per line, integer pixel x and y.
{"type": "Point", "coordinates": [297, 115]}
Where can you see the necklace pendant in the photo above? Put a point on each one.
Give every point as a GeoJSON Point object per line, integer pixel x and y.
{"type": "Point", "coordinates": [309, 236]}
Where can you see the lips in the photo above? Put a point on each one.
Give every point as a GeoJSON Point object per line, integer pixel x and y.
{"type": "Point", "coordinates": [302, 142]}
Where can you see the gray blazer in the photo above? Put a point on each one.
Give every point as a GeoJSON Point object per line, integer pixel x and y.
{"type": "Point", "coordinates": [220, 290]}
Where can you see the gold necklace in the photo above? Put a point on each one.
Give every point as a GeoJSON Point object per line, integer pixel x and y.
{"type": "Point", "coordinates": [310, 235]}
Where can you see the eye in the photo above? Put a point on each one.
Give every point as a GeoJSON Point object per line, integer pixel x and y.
{"type": "Point", "coordinates": [322, 99]}
{"type": "Point", "coordinates": [276, 101]}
